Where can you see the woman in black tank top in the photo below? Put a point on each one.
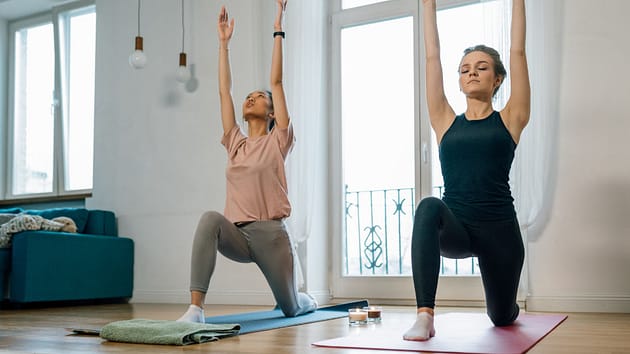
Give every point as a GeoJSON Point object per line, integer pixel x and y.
{"type": "Point", "coordinates": [476, 216]}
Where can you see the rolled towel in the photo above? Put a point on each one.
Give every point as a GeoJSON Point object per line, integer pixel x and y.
{"type": "Point", "coordinates": [166, 332]}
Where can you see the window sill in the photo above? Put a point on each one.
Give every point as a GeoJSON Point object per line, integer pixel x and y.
{"type": "Point", "coordinates": [45, 199]}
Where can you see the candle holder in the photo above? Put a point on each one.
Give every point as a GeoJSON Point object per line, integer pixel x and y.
{"type": "Point", "coordinates": [357, 317]}
{"type": "Point", "coordinates": [373, 313]}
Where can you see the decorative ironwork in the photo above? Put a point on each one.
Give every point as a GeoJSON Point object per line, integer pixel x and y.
{"type": "Point", "coordinates": [399, 206]}
{"type": "Point", "coordinates": [378, 228]}
{"type": "Point", "coordinates": [373, 249]}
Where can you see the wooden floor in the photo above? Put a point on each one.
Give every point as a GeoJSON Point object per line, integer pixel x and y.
{"type": "Point", "coordinates": [42, 330]}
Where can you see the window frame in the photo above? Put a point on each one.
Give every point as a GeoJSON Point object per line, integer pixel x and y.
{"type": "Point", "coordinates": [344, 286]}
{"type": "Point", "coordinates": [59, 191]}
{"type": "Point", "coordinates": [453, 289]}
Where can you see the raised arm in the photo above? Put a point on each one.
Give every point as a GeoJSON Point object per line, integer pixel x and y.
{"type": "Point", "coordinates": [225, 29]}
{"type": "Point", "coordinates": [277, 90]}
{"type": "Point", "coordinates": [517, 109]}
{"type": "Point", "coordinates": [441, 114]}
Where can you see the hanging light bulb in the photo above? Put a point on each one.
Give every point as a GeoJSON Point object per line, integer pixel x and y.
{"type": "Point", "coordinates": [138, 59]}
{"type": "Point", "coordinates": [182, 73]}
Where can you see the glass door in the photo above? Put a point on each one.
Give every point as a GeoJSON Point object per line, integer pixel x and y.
{"type": "Point", "coordinates": [377, 133]}
{"type": "Point", "coordinates": [387, 151]}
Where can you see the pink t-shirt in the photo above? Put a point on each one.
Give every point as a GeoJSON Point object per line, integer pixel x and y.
{"type": "Point", "coordinates": [256, 178]}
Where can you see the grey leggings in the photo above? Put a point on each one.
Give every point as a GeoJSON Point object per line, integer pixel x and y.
{"type": "Point", "coordinates": [265, 243]}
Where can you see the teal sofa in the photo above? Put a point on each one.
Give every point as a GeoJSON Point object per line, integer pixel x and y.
{"type": "Point", "coordinates": [92, 264]}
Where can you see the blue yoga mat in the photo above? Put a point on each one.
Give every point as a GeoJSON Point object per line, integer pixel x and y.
{"type": "Point", "coordinates": [266, 320]}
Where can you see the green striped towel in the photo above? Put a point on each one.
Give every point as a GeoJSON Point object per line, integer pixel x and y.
{"type": "Point", "coordinates": [166, 332]}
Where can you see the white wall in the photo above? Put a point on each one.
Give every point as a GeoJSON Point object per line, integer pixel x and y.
{"type": "Point", "coordinates": [4, 50]}
{"type": "Point", "coordinates": [581, 261]}
{"type": "Point", "coordinates": [158, 159]}
{"type": "Point", "coordinates": [159, 163]}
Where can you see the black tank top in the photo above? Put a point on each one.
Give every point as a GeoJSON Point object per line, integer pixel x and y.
{"type": "Point", "coordinates": [476, 157]}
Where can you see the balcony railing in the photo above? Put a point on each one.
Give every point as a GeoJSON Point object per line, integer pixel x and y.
{"type": "Point", "coordinates": [378, 228]}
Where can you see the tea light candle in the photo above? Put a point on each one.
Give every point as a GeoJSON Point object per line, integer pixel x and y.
{"type": "Point", "coordinates": [373, 313]}
{"type": "Point", "coordinates": [357, 317]}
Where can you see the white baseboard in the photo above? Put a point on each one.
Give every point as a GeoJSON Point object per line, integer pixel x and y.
{"type": "Point", "coordinates": [412, 302]}
{"type": "Point", "coordinates": [160, 297]}
{"type": "Point", "coordinates": [609, 304]}
{"type": "Point", "coordinates": [323, 297]}
{"type": "Point", "coordinates": [212, 297]}
{"type": "Point", "coordinates": [262, 298]}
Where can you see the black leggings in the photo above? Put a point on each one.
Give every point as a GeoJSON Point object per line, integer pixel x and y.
{"type": "Point", "coordinates": [498, 245]}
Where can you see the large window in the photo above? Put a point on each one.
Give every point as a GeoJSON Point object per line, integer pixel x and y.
{"type": "Point", "coordinates": [51, 105]}
{"type": "Point", "coordinates": [382, 134]}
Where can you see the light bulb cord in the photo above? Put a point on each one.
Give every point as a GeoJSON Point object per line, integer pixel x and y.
{"type": "Point", "coordinates": [138, 18]}
{"type": "Point", "coordinates": [183, 27]}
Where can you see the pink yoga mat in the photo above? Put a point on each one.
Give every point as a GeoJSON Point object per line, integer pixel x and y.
{"type": "Point", "coordinates": [455, 333]}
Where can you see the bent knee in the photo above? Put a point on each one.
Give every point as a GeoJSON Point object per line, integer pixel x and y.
{"type": "Point", "coordinates": [209, 224]}
{"type": "Point", "coordinates": [504, 318]}
{"type": "Point", "coordinates": [290, 312]}
{"type": "Point", "coordinates": [211, 217]}
{"type": "Point", "coordinates": [298, 310]}
{"type": "Point", "coordinates": [429, 207]}
{"type": "Point", "coordinates": [501, 322]}
{"type": "Point", "coordinates": [430, 203]}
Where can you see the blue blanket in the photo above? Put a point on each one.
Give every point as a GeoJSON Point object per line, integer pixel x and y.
{"type": "Point", "coordinates": [265, 320]}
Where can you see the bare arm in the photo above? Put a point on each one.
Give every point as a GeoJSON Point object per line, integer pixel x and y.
{"type": "Point", "coordinates": [225, 29]}
{"type": "Point", "coordinates": [441, 114]}
{"type": "Point", "coordinates": [517, 109]}
{"type": "Point", "coordinates": [281, 112]}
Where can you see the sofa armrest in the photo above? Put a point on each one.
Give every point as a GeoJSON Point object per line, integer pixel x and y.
{"type": "Point", "coordinates": [55, 266]}
{"type": "Point", "coordinates": [101, 222]}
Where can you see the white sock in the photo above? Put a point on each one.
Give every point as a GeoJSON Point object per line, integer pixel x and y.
{"type": "Point", "coordinates": [423, 329]}
{"type": "Point", "coordinates": [193, 314]}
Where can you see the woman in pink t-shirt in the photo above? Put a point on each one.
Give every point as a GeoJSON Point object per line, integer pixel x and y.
{"type": "Point", "coordinates": [252, 227]}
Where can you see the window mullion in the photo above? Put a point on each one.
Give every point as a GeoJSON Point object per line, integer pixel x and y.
{"type": "Point", "coordinates": [59, 164]}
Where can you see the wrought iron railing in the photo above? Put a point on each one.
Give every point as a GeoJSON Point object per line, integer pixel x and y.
{"type": "Point", "coordinates": [378, 228]}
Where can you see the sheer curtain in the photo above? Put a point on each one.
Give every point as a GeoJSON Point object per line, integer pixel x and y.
{"type": "Point", "coordinates": [534, 169]}
{"type": "Point", "coordinates": [305, 58]}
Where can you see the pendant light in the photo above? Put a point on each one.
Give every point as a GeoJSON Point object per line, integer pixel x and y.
{"type": "Point", "coordinates": [183, 73]}
{"type": "Point", "coordinates": [138, 59]}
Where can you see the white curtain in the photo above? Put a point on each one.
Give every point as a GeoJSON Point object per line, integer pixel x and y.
{"type": "Point", "coordinates": [305, 58]}
{"type": "Point", "coordinates": [534, 170]}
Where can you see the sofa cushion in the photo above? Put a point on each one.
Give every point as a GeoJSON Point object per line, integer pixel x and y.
{"type": "Point", "coordinates": [101, 222]}
{"type": "Point", "coordinates": [11, 211]}
{"type": "Point", "coordinates": [78, 215]}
